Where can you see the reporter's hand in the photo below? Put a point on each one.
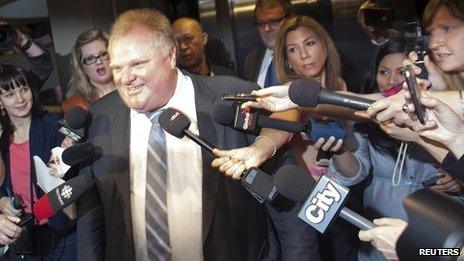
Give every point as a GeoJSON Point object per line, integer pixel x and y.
{"type": "Point", "coordinates": [390, 109]}
{"type": "Point", "coordinates": [400, 133]}
{"type": "Point", "coordinates": [233, 162]}
{"type": "Point", "coordinates": [447, 184]}
{"type": "Point", "coordinates": [7, 209]}
{"type": "Point", "coordinates": [331, 144]}
{"type": "Point", "coordinates": [9, 231]}
{"type": "Point", "coordinates": [274, 99]}
{"type": "Point", "coordinates": [435, 79]}
{"type": "Point", "coordinates": [384, 236]}
{"type": "Point", "coordinates": [443, 125]}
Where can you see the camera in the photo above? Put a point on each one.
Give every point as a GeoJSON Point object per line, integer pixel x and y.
{"type": "Point", "coordinates": [7, 38]}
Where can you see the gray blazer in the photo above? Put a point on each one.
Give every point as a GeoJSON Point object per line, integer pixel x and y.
{"type": "Point", "coordinates": [234, 223]}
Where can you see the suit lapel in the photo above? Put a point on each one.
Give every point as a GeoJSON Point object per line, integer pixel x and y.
{"type": "Point", "coordinates": [208, 130]}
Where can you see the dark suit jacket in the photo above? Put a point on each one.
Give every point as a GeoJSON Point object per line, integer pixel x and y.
{"type": "Point", "coordinates": [234, 226]}
{"type": "Point", "coordinates": [253, 62]}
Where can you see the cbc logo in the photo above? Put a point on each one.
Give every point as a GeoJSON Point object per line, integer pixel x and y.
{"type": "Point", "coordinates": [66, 191]}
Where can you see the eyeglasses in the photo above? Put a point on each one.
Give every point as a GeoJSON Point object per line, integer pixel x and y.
{"type": "Point", "coordinates": [93, 59]}
{"type": "Point", "coordinates": [270, 23]}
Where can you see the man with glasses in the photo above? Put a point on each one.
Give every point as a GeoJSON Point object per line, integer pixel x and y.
{"type": "Point", "coordinates": [191, 40]}
{"type": "Point", "coordinates": [269, 16]}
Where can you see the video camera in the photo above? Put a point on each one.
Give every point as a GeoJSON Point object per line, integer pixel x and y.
{"type": "Point", "coordinates": [8, 37]}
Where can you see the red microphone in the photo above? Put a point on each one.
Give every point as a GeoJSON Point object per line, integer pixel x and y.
{"type": "Point", "coordinates": [62, 196]}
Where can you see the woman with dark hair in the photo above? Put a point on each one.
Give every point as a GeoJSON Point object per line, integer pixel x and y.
{"type": "Point", "coordinates": [392, 166]}
{"type": "Point", "coordinates": [28, 131]}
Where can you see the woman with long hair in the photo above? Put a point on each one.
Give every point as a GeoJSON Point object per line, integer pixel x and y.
{"type": "Point", "coordinates": [91, 75]}
{"type": "Point", "coordinates": [28, 131]}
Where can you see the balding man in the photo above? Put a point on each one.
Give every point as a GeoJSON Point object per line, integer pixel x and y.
{"type": "Point", "coordinates": [191, 54]}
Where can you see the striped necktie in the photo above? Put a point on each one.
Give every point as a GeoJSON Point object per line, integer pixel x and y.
{"type": "Point", "coordinates": [156, 219]}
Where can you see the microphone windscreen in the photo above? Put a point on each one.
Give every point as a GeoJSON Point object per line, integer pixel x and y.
{"type": "Point", "coordinates": [43, 208]}
{"type": "Point", "coordinates": [224, 115]}
{"type": "Point", "coordinates": [62, 196]}
{"type": "Point", "coordinates": [79, 153]}
{"type": "Point", "coordinates": [293, 183]}
{"type": "Point", "coordinates": [174, 122]}
{"type": "Point", "coordinates": [304, 92]}
{"type": "Point", "coordinates": [76, 117]}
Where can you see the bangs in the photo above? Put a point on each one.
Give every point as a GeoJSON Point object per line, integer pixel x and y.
{"type": "Point", "coordinates": [12, 76]}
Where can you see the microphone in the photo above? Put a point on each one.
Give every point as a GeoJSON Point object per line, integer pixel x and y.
{"type": "Point", "coordinates": [251, 121]}
{"type": "Point", "coordinates": [80, 153]}
{"type": "Point", "coordinates": [435, 221]}
{"type": "Point", "coordinates": [176, 123]}
{"type": "Point", "coordinates": [309, 93]}
{"type": "Point", "coordinates": [256, 181]}
{"type": "Point", "coordinates": [323, 200]}
{"type": "Point", "coordinates": [74, 123]}
{"type": "Point", "coordinates": [62, 196]}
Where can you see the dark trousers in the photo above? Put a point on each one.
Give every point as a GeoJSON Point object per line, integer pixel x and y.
{"type": "Point", "coordinates": [289, 237]}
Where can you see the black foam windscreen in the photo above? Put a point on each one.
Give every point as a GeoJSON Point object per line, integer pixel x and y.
{"type": "Point", "coordinates": [80, 153]}
{"type": "Point", "coordinates": [76, 117]}
{"type": "Point", "coordinates": [435, 220]}
{"type": "Point", "coordinates": [174, 122]}
{"type": "Point", "coordinates": [293, 182]}
{"type": "Point", "coordinates": [224, 115]}
{"type": "Point", "coordinates": [304, 92]}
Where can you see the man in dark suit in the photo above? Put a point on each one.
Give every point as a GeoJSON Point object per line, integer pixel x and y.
{"type": "Point", "coordinates": [192, 41]}
{"type": "Point", "coordinates": [269, 16]}
{"type": "Point", "coordinates": [206, 215]}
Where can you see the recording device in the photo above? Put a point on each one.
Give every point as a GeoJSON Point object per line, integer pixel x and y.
{"type": "Point", "coordinates": [7, 38]}
{"type": "Point", "coordinates": [435, 221]}
{"type": "Point", "coordinates": [379, 17]}
{"type": "Point", "coordinates": [176, 123]}
{"type": "Point", "coordinates": [256, 181]}
{"type": "Point", "coordinates": [81, 153]}
{"type": "Point", "coordinates": [309, 93]}
{"type": "Point", "coordinates": [250, 120]}
{"type": "Point", "coordinates": [62, 196]}
{"type": "Point", "coordinates": [74, 123]}
{"type": "Point", "coordinates": [323, 201]}
{"type": "Point", "coordinates": [239, 97]}
{"type": "Point", "coordinates": [413, 88]}
{"type": "Point", "coordinates": [431, 181]}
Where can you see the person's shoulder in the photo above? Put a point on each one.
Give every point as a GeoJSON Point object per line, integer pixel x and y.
{"type": "Point", "coordinates": [221, 70]}
{"type": "Point", "coordinates": [226, 83]}
{"type": "Point", "coordinates": [107, 102]}
{"type": "Point", "coordinates": [256, 52]}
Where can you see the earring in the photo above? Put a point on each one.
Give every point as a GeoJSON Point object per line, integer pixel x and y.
{"type": "Point", "coordinates": [289, 65]}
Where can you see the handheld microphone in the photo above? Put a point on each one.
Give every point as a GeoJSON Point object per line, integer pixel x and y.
{"type": "Point", "coordinates": [309, 93]}
{"type": "Point", "coordinates": [62, 196]}
{"type": "Point", "coordinates": [435, 221]}
{"type": "Point", "coordinates": [80, 153]}
{"type": "Point", "coordinates": [74, 123]}
{"type": "Point", "coordinates": [324, 200]}
{"type": "Point", "coordinates": [256, 181]}
{"type": "Point", "coordinates": [250, 120]}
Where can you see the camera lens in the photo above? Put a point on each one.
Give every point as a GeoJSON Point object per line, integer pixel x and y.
{"type": "Point", "coordinates": [7, 38]}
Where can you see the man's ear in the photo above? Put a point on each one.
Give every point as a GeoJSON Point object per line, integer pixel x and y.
{"type": "Point", "coordinates": [172, 56]}
{"type": "Point", "coordinates": [205, 38]}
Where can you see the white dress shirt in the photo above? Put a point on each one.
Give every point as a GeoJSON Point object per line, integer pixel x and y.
{"type": "Point", "coordinates": [184, 178]}
{"type": "Point", "coordinates": [264, 66]}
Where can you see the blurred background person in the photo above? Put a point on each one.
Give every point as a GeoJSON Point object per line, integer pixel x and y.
{"type": "Point", "coordinates": [91, 75]}
{"type": "Point", "coordinates": [191, 41]}
{"type": "Point", "coordinates": [269, 16]}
